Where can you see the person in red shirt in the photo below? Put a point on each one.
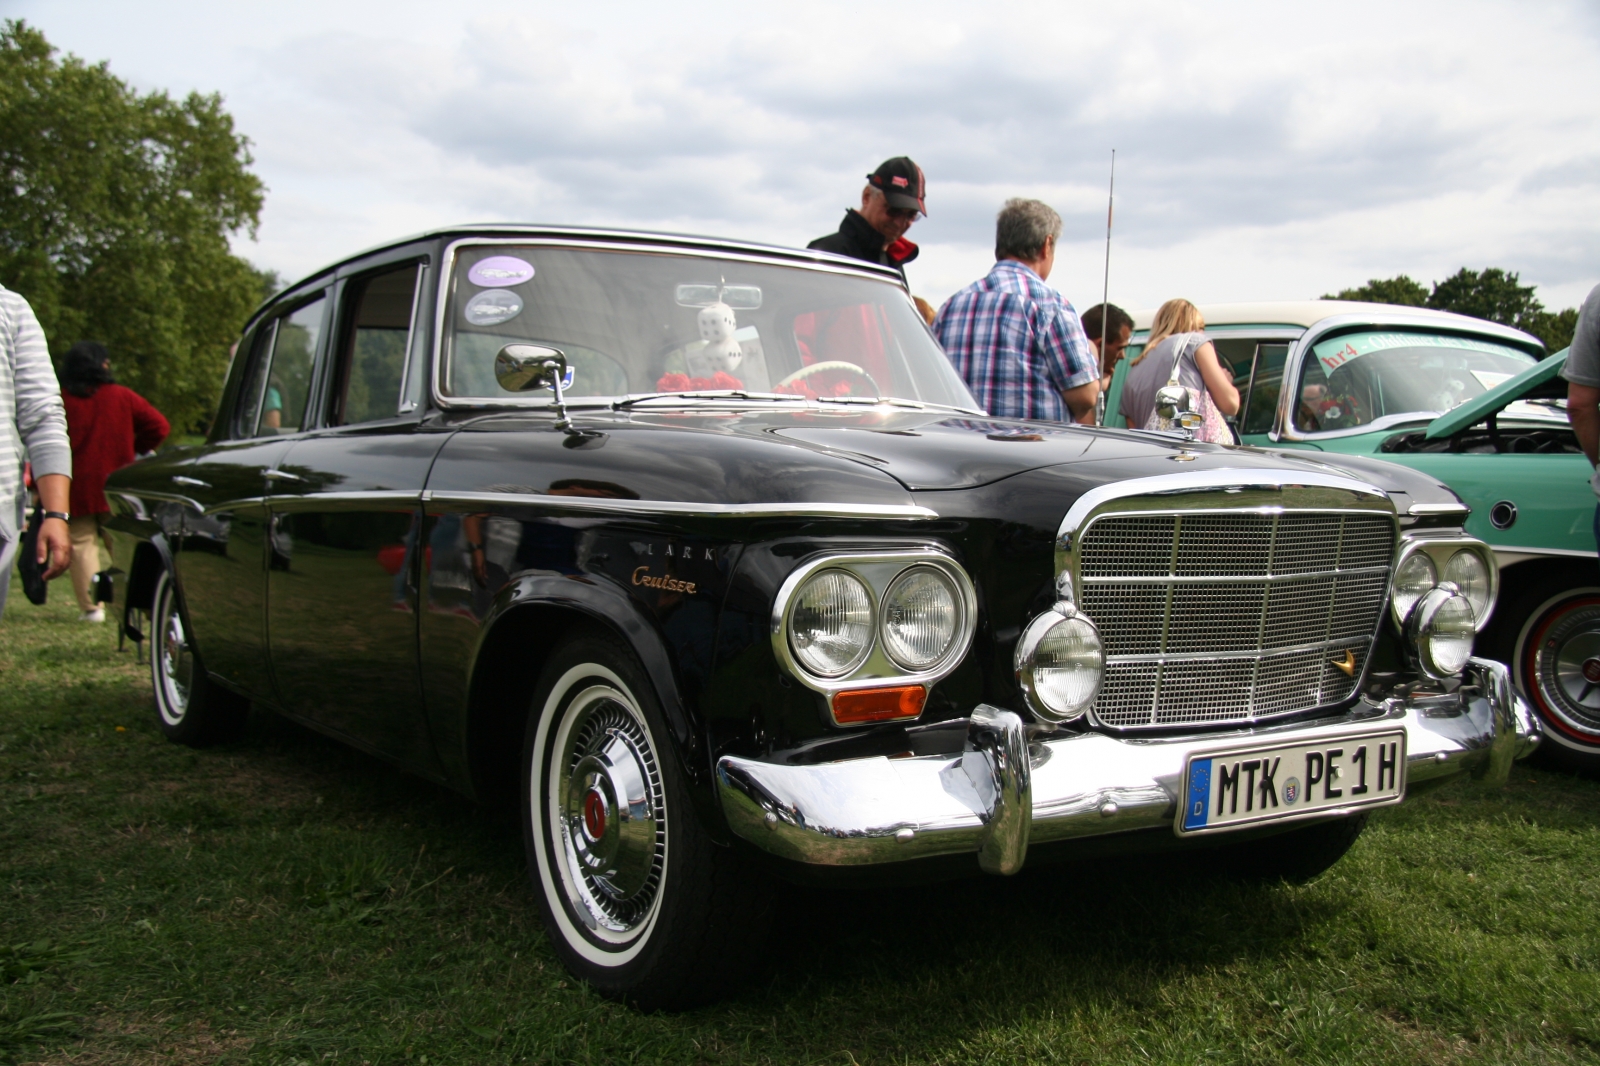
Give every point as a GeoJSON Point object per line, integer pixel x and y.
{"type": "Point", "coordinates": [109, 426]}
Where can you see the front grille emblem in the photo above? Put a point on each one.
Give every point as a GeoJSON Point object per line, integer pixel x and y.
{"type": "Point", "coordinates": [1348, 663]}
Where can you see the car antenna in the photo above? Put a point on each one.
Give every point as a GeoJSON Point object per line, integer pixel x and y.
{"type": "Point", "coordinates": [1105, 292]}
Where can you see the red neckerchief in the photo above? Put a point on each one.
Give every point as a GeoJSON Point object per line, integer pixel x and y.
{"type": "Point", "coordinates": [900, 251]}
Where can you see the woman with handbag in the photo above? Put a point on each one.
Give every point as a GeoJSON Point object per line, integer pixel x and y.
{"type": "Point", "coordinates": [1178, 382]}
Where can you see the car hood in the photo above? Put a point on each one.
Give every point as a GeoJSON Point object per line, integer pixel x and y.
{"type": "Point", "coordinates": [1533, 383]}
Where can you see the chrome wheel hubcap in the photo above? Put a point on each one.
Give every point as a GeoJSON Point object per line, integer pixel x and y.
{"type": "Point", "coordinates": [610, 817]}
{"type": "Point", "coordinates": [1567, 667]}
{"type": "Point", "coordinates": [174, 662]}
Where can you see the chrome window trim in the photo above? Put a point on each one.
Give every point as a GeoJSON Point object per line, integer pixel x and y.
{"type": "Point", "coordinates": [890, 511]}
{"type": "Point", "coordinates": [709, 251]}
{"type": "Point", "coordinates": [1441, 546]}
{"type": "Point", "coordinates": [1283, 423]}
{"type": "Point", "coordinates": [1231, 484]}
{"type": "Point", "coordinates": [877, 669]}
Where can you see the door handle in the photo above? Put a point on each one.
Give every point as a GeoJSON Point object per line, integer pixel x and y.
{"type": "Point", "coordinates": [274, 474]}
{"type": "Point", "coordinates": [179, 479]}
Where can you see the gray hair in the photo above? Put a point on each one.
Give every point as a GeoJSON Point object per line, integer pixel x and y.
{"type": "Point", "coordinates": [1022, 228]}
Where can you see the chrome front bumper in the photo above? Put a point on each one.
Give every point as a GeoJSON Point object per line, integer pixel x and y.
{"type": "Point", "coordinates": [1003, 792]}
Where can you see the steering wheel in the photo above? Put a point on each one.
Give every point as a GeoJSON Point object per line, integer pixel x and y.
{"type": "Point", "coordinates": [832, 364]}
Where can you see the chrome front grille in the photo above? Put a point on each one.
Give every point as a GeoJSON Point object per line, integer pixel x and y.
{"type": "Point", "coordinates": [1225, 616]}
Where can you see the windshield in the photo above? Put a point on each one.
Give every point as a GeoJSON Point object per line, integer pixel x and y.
{"type": "Point", "coordinates": [650, 322]}
{"type": "Point", "coordinates": [1358, 378]}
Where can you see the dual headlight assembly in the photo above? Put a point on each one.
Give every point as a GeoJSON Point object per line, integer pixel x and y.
{"type": "Point", "coordinates": [1441, 597]}
{"type": "Point", "coordinates": [873, 631]}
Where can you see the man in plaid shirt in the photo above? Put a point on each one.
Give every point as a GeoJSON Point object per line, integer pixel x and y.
{"type": "Point", "coordinates": [1017, 342]}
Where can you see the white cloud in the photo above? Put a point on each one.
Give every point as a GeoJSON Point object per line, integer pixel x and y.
{"type": "Point", "coordinates": [1264, 150]}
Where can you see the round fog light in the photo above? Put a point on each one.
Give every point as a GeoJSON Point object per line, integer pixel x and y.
{"type": "Point", "coordinates": [1442, 628]}
{"type": "Point", "coordinates": [1059, 664]}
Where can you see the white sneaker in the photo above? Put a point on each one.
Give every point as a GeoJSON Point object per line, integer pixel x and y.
{"type": "Point", "coordinates": [96, 615]}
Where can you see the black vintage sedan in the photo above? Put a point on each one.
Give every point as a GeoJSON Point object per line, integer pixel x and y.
{"type": "Point", "coordinates": [702, 552]}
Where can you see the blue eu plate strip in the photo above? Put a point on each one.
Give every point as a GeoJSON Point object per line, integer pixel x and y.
{"type": "Point", "coordinates": [1194, 817]}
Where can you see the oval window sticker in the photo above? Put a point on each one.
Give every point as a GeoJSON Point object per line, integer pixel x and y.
{"type": "Point", "coordinates": [492, 307]}
{"type": "Point", "coordinates": [498, 271]}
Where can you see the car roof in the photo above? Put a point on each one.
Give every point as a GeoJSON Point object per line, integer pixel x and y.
{"type": "Point", "coordinates": [1307, 313]}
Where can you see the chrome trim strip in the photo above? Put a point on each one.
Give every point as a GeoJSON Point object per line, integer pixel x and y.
{"type": "Point", "coordinates": [1217, 656]}
{"type": "Point", "coordinates": [693, 510]}
{"type": "Point", "coordinates": [876, 570]}
{"type": "Point", "coordinates": [878, 810]}
{"type": "Point", "coordinates": [1282, 420]}
{"type": "Point", "coordinates": [1569, 553]}
{"type": "Point", "coordinates": [1232, 481]}
{"type": "Point", "coordinates": [1438, 508]}
{"type": "Point", "coordinates": [1221, 579]}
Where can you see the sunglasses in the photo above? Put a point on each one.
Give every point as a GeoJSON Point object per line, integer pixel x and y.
{"type": "Point", "coordinates": [903, 213]}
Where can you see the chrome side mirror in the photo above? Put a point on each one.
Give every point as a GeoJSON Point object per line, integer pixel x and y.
{"type": "Point", "coordinates": [525, 367]}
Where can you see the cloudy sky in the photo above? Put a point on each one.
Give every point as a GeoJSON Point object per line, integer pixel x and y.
{"type": "Point", "coordinates": [1264, 150]}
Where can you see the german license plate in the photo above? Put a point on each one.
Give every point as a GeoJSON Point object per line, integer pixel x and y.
{"type": "Point", "coordinates": [1234, 788]}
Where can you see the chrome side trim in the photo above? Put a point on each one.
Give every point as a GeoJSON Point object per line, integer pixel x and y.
{"type": "Point", "coordinates": [878, 810]}
{"type": "Point", "coordinates": [1528, 553]}
{"type": "Point", "coordinates": [674, 507]}
{"type": "Point", "coordinates": [1224, 481]}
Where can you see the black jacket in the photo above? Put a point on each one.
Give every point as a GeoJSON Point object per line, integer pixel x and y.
{"type": "Point", "coordinates": [857, 239]}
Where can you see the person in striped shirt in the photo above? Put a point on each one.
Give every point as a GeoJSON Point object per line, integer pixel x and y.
{"type": "Point", "coordinates": [1017, 342]}
{"type": "Point", "coordinates": [33, 425]}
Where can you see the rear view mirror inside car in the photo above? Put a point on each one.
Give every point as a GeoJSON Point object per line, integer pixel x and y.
{"type": "Point", "coordinates": [738, 297]}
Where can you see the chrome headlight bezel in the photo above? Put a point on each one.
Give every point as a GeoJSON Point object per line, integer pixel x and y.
{"type": "Point", "coordinates": [877, 570]}
{"type": "Point", "coordinates": [1440, 546]}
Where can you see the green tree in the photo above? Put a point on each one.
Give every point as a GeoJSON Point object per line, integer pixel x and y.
{"type": "Point", "coordinates": [1397, 290]}
{"type": "Point", "coordinates": [1492, 293]}
{"type": "Point", "coordinates": [115, 218]}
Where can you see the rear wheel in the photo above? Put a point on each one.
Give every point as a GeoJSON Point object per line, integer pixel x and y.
{"type": "Point", "coordinates": [637, 899]}
{"type": "Point", "coordinates": [1550, 637]}
{"type": "Point", "coordinates": [190, 708]}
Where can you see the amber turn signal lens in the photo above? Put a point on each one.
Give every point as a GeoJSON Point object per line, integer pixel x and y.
{"type": "Point", "coordinates": [879, 704]}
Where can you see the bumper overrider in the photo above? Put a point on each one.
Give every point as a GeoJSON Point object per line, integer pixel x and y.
{"type": "Point", "coordinates": [1005, 791]}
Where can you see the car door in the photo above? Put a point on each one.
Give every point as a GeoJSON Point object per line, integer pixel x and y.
{"type": "Point", "coordinates": [222, 565]}
{"type": "Point", "coordinates": [341, 579]}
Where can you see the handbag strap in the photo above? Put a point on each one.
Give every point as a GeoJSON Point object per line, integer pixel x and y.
{"type": "Point", "coordinates": [1180, 345]}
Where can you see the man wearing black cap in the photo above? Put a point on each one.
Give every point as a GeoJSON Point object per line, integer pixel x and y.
{"type": "Point", "coordinates": [890, 202]}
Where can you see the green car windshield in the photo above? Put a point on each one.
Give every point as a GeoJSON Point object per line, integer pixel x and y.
{"type": "Point", "coordinates": [653, 321]}
{"type": "Point", "coordinates": [1357, 379]}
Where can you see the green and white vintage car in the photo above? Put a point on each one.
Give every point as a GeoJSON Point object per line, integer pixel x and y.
{"type": "Point", "coordinates": [1480, 407]}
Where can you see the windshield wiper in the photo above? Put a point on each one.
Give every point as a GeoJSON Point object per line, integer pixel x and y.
{"type": "Point", "coordinates": [720, 394]}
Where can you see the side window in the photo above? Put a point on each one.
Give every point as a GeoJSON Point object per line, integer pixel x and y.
{"type": "Point", "coordinates": [276, 398]}
{"type": "Point", "coordinates": [1268, 386]}
{"type": "Point", "coordinates": [372, 359]}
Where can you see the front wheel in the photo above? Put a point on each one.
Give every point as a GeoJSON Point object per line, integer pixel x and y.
{"type": "Point", "coordinates": [190, 708]}
{"type": "Point", "coordinates": [1555, 663]}
{"type": "Point", "coordinates": [637, 899]}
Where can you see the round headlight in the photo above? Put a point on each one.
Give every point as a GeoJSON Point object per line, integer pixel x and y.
{"type": "Point", "coordinates": [830, 625]}
{"type": "Point", "coordinates": [1412, 582]}
{"type": "Point", "coordinates": [921, 617]}
{"type": "Point", "coordinates": [1467, 571]}
{"type": "Point", "coordinates": [1442, 629]}
{"type": "Point", "coordinates": [1060, 663]}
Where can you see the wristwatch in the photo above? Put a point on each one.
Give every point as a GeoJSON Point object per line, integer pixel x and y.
{"type": "Point", "coordinates": [64, 516]}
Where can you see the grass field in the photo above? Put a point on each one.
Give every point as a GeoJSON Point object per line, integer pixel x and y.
{"type": "Point", "coordinates": [286, 900]}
